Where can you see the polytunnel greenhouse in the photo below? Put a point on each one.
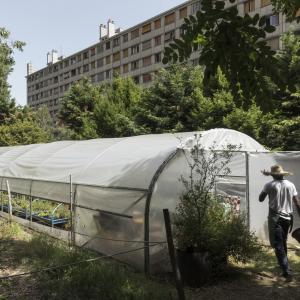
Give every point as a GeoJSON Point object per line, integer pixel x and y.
{"type": "Point", "coordinates": [116, 188]}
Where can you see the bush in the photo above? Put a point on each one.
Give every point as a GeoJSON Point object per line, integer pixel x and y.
{"type": "Point", "coordinates": [203, 220]}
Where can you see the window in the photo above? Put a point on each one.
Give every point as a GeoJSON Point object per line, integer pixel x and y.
{"type": "Point", "coordinates": [265, 3]}
{"type": "Point", "coordinates": [196, 7]}
{"type": "Point", "coordinates": [100, 62]}
{"type": "Point", "coordinates": [79, 70]}
{"type": "Point", "coordinates": [135, 49]}
{"type": "Point", "coordinates": [273, 20]}
{"type": "Point", "coordinates": [273, 43]}
{"type": "Point", "coordinates": [100, 48]}
{"type": "Point", "coordinates": [125, 38]}
{"type": "Point", "coordinates": [93, 78]}
{"type": "Point", "coordinates": [93, 65]}
{"type": "Point", "coordinates": [146, 78]}
{"type": "Point", "coordinates": [147, 61]}
{"type": "Point", "coordinates": [66, 63]}
{"type": "Point", "coordinates": [107, 59]}
{"type": "Point", "coordinates": [116, 56]}
{"type": "Point", "coordinates": [136, 79]}
{"type": "Point", "coordinates": [134, 65]}
{"type": "Point", "coordinates": [93, 51]}
{"type": "Point", "coordinates": [100, 76]}
{"type": "Point", "coordinates": [66, 75]}
{"type": "Point", "coordinates": [146, 28]}
{"type": "Point", "coordinates": [249, 6]}
{"type": "Point", "coordinates": [169, 36]}
{"type": "Point", "coordinates": [146, 45]}
{"type": "Point", "coordinates": [157, 41]}
{"type": "Point", "coordinates": [73, 72]}
{"type": "Point", "coordinates": [183, 13]}
{"type": "Point", "coordinates": [85, 55]}
{"type": "Point", "coordinates": [170, 19]}
{"type": "Point", "coordinates": [157, 57]}
{"type": "Point", "coordinates": [55, 79]}
{"type": "Point", "coordinates": [85, 68]}
{"type": "Point", "coordinates": [107, 74]}
{"type": "Point", "coordinates": [157, 24]}
{"type": "Point", "coordinates": [73, 60]}
{"type": "Point", "coordinates": [182, 31]}
{"type": "Point", "coordinates": [125, 68]}
{"type": "Point", "coordinates": [116, 42]}
{"type": "Point", "coordinates": [79, 57]}
{"type": "Point", "coordinates": [135, 33]}
{"type": "Point", "coordinates": [107, 45]}
{"type": "Point", "coordinates": [125, 53]}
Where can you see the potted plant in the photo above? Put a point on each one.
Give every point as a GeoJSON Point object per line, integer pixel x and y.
{"type": "Point", "coordinates": [208, 227]}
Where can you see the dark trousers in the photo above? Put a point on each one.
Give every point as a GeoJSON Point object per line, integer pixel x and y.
{"type": "Point", "coordinates": [280, 243]}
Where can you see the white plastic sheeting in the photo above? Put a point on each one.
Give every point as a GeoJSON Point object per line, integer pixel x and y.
{"type": "Point", "coordinates": [121, 185]}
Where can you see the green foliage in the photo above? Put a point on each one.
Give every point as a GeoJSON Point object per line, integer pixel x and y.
{"type": "Point", "coordinates": [22, 132]}
{"type": "Point", "coordinates": [114, 112]}
{"type": "Point", "coordinates": [230, 42]}
{"type": "Point", "coordinates": [201, 219]}
{"type": "Point", "coordinates": [288, 7]}
{"type": "Point", "coordinates": [7, 47]}
{"type": "Point", "coordinates": [77, 109]}
{"type": "Point", "coordinates": [103, 279]}
{"type": "Point", "coordinates": [172, 103]}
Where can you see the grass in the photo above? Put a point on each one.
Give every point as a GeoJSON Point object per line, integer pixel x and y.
{"type": "Point", "coordinates": [102, 279]}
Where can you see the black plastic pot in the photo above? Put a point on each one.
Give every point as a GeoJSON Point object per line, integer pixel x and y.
{"type": "Point", "coordinates": [296, 234]}
{"type": "Point", "coordinates": [199, 268]}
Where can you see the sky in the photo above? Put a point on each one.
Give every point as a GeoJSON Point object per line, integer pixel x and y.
{"type": "Point", "coordinates": [67, 26]}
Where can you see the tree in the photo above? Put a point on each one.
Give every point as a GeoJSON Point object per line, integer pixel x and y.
{"type": "Point", "coordinates": [113, 113]}
{"type": "Point", "coordinates": [172, 103]}
{"type": "Point", "coordinates": [77, 109]}
{"type": "Point", "coordinates": [230, 42]}
{"type": "Point", "coordinates": [22, 132]}
{"type": "Point", "coordinates": [7, 47]}
{"type": "Point", "coordinates": [288, 7]}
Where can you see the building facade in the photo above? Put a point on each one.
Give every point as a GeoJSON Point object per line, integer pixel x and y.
{"type": "Point", "coordinates": [136, 52]}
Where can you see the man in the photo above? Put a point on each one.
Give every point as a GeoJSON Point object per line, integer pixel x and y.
{"type": "Point", "coordinates": [282, 194]}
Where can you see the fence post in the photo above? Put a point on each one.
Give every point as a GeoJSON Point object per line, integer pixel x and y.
{"type": "Point", "coordinates": [9, 201]}
{"type": "Point", "coordinates": [173, 258]}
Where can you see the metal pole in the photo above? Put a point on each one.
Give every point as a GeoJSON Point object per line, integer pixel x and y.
{"type": "Point", "coordinates": [2, 200]}
{"type": "Point", "coordinates": [247, 190]}
{"type": "Point", "coordinates": [9, 201]}
{"type": "Point", "coordinates": [173, 258]}
{"type": "Point", "coordinates": [30, 202]}
{"type": "Point", "coordinates": [71, 211]}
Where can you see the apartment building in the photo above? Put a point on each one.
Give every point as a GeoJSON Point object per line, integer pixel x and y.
{"type": "Point", "coordinates": [136, 52]}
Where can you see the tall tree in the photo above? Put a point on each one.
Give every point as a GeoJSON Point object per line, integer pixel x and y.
{"type": "Point", "coordinates": [7, 47]}
{"type": "Point", "coordinates": [114, 112]}
{"type": "Point", "coordinates": [77, 109]}
{"type": "Point", "coordinates": [172, 103]}
{"type": "Point", "coordinates": [230, 42]}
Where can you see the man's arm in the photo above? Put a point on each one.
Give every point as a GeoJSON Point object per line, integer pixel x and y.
{"type": "Point", "coordinates": [262, 196]}
{"type": "Point", "coordinates": [297, 204]}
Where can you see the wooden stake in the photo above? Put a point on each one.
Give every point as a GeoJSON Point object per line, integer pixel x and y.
{"type": "Point", "coordinates": [173, 257]}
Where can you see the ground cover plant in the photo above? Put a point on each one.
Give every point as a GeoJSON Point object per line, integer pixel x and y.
{"type": "Point", "coordinates": [22, 250]}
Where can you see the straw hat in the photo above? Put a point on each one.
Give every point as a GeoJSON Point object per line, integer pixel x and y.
{"type": "Point", "coordinates": [276, 170]}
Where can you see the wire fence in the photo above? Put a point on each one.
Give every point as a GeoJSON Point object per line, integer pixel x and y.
{"type": "Point", "coordinates": [77, 263]}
